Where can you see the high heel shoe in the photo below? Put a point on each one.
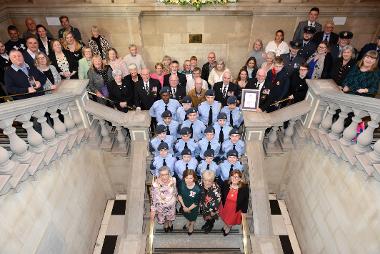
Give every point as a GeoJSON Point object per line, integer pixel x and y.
{"type": "Point", "coordinates": [185, 227]}
{"type": "Point", "coordinates": [166, 229]}
{"type": "Point", "coordinates": [226, 233]}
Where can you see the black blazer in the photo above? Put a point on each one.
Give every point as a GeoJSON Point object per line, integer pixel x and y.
{"type": "Point", "coordinates": [318, 38]}
{"type": "Point", "coordinates": [123, 93]}
{"type": "Point", "coordinates": [28, 58]}
{"type": "Point", "coordinates": [338, 74]}
{"type": "Point", "coordinates": [181, 77]}
{"type": "Point", "coordinates": [274, 89]}
{"type": "Point", "coordinates": [205, 71]}
{"type": "Point", "coordinates": [4, 64]}
{"type": "Point", "coordinates": [42, 48]}
{"type": "Point", "coordinates": [73, 64]}
{"type": "Point", "coordinates": [179, 93]}
{"type": "Point", "coordinates": [232, 88]}
{"type": "Point", "coordinates": [145, 99]}
{"type": "Point", "coordinates": [242, 197]}
{"type": "Point", "coordinates": [298, 87]}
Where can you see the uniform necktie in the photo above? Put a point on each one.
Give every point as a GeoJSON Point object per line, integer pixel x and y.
{"type": "Point", "coordinates": [185, 147]}
{"type": "Point", "coordinates": [210, 116]}
{"type": "Point", "coordinates": [231, 168]}
{"type": "Point", "coordinates": [234, 147]}
{"type": "Point", "coordinates": [326, 37]}
{"type": "Point", "coordinates": [173, 92]}
{"type": "Point", "coordinates": [187, 166]}
{"type": "Point", "coordinates": [231, 119]}
{"type": "Point", "coordinates": [164, 162]}
{"type": "Point", "coordinates": [192, 130]}
{"type": "Point", "coordinates": [146, 87]}
{"type": "Point", "coordinates": [166, 107]}
{"type": "Point", "coordinates": [208, 167]}
{"type": "Point", "coordinates": [167, 130]}
{"type": "Point", "coordinates": [291, 58]}
{"type": "Point", "coordinates": [209, 145]}
{"type": "Point", "coordinates": [162, 141]}
{"type": "Point", "coordinates": [221, 135]}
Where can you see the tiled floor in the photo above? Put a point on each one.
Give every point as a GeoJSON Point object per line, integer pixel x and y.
{"type": "Point", "coordinates": [112, 226]}
{"type": "Point", "coordinates": [282, 226]}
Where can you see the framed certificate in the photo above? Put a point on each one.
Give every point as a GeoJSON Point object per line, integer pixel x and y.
{"type": "Point", "coordinates": [250, 99]}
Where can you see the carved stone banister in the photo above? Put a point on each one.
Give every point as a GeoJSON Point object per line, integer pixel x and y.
{"type": "Point", "coordinates": [327, 121]}
{"type": "Point", "coordinates": [338, 127]}
{"type": "Point", "coordinates": [353, 101]}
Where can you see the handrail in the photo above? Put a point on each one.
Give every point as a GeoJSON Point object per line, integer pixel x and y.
{"type": "Point", "coordinates": [246, 234]}
{"type": "Point", "coordinates": [353, 101]}
{"type": "Point", "coordinates": [151, 231]}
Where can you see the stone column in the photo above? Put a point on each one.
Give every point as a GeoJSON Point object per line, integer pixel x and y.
{"type": "Point", "coordinates": [120, 137]}
{"type": "Point", "coordinates": [35, 140]}
{"type": "Point", "coordinates": [350, 132]}
{"type": "Point", "coordinates": [59, 127]}
{"type": "Point", "coordinates": [6, 165]}
{"type": "Point", "coordinates": [104, 131]}
{"type": "Point", "coordinates": [375, 154]}
{"type": "Point", "coordinates": [338, 127]}
{"type": "Point", "coordinates": [76, 114]}
{"type": "Point", "coordinates": [318, 116]}
{"type": "Point", "coordinates": [68, 120]}
{"type": "Point", "coordinates": [48, 132]}
{"type": "Point", "coordinates": [272, 137]}
{"type": "Point", "coordinates": [327, 121]}
{"type": "Point", "coordinates": [17, 145]}
{"type": "Point", "coordinates": [289, 132]}
{"type": "Point", "coordinates": [365, 138]}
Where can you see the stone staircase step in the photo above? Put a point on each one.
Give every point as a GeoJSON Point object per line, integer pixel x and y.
{"type": "Point", "coordinates": [36, 163]}
{"type": "Point", "coordinates": [72, 138]}
{"type": "Point", "coordinates": [20, 174]}
{"type": "Point", "coordinates": [49, 154]}
{"type": "Point", "coordinates": [80, 135]}
{"type": "Point", "coordinates": [62, 146]}
{"type": "Point", "coordinates": [199, 250]}
{"type": "Point", "coordinates": [5, 185]}
{"type": "Point", "coordinates": [182, 241]}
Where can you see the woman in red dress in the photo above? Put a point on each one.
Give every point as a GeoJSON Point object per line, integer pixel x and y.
{"type": "Point", "coordinates": [235, 196]}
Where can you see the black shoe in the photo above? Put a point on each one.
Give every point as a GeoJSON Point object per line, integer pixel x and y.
{"type": "Point", "coordinates": [166, 230]}
{"type": "Point", "coordinates": [171, 228]}
{"type": "Point", "coordinates": [189, 233]}
{"type": "Point", "coordinates": [205, 225]}
{"type": "Point", "coordinates": [209, 228]}
{"type": "Point", "coordinates": [185, 227]}
{"type": "Point", "coordinates": [224, 232]}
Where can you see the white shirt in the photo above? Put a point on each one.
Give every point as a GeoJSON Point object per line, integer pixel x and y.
{"type": "Point", "coordinates": [45, 44]}
{"type": "Point", "coordinates": [282, 48]}
{"type": "Point", "coordinates": [260, 85]}
{"type": "Point", "coordinates": [31, 54]}
{"type": "Point", "coordinates": [309, 23]}
{"type": "Point", "coordinates": [5, 56]}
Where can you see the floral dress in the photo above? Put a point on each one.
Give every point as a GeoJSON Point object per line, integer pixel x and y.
{"type": "Point", "coordinates": [210, 200]}
{"type": "Point", "coordinates": [164, 199]}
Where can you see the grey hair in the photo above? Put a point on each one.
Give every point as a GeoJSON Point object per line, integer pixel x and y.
{"type": "Point", "coordinates": [164, 168]}
{"type": "Point", "coordinates": [132, 67]}
{"type": "Point", "coordinates": [116, 72]}
{"type": "Point", "coordinates": [208, 175]}
{"type": "Point", "coordinates": [350, 48]}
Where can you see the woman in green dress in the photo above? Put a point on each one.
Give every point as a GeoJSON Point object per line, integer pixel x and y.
{"type": "Point", "coordinates": [188, 197]}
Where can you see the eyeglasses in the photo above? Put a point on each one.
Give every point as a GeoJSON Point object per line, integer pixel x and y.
{"type": "Point", "coordinates": [235, 177]}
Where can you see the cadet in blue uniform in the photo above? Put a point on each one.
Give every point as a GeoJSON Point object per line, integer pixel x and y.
{"type": "Point", "coordinates": [234, 143]}
{"type": "Point", "coordinates": [170, 124]}
{"type": "Point", "coordinates": [208, 163]}
{"type": "Point", "coordinates": [230, 164]}
{"type": "Point", "coordinates": [164, 104]}
{"type": "Point", "coordinates": [196, 126]}
{"type": "Point", "coordinates": [209, 109]}
{"type": "Point", "coordinates": [181, 111]}
{"type": "Point", "coordinates": [185, 142]}
{"type": "Point", "coordinates": [222, 128]}
{"type": "Point", "coordinates": [234, 114]}
{"type": "Point", "coordinates": [208, 142]}
{"type": "Point", "coordinates": [163, 159]}
{"type": "Point", "coordinates": [187, 162]}
{"type": "Point", "coordinates": [160, 138]}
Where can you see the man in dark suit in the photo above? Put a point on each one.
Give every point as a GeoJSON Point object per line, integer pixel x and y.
{"type": "Point", "coordinates": [22, 78]}
{"type": "Point", "coordinates": [44, 41]}
{"type": "Point", "coordinates": [14, 41]}
{"type": "Point", "coordinates": [326, 35]}
{"type": "Point", "coordinates": [345, 38]}
{"type": "Point", "coordinates": [177, 92]}
{"type": "Point", "coordinates": [308, 47]}
{"type": "Point", "coordinates": [32, 49]}
{"type": "Point", "coordinates": [311, 21]}
{"type": "Point", "coordinates": [276, 87]}
{"type": "Point", "coordinates": [225, 89]}
{"type": "Point", "coordinates": [174, 66]}
{"type": "Point", "coordinates": [292, 60]}
{"type": "Point", "coordinates": [370, 46]}
{"type": "Point", "coordinates": [146, 90]}
{"type": "Point", "coordinates": [207, 67]}
{"type": "Point", "coordinates": [297, 86]}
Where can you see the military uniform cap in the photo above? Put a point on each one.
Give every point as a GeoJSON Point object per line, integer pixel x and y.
{"type": "Point", "coordinates": [209, 129]}
{"type": "Point", "coordinates": [167, 113]}
{"type": "Point", "coordinates": [186, 151]}
{"type": "Point", "coordinates": [165, 89]}
{"type": "Point", "coordinates": [191, 110]}
{"type": "Point", "coordinates": [210, 92]}
{"type": "Point", "coordinates": [309, 30]}
{"type": "Point", "coordinates": [160, 129]}
{"type": "Point", "coordinates": [185, 131]}
{"type": "Point", "coordinates": [232, 153]}
{"type": "Point", "coordinates": [209, 153]}
{"type": "Point", "coordinates": [295, 44]}
{"type": "Point", "coordinates": [222, 115]}
{"type": "Point", "coordinates": [346, 35]}
{"type": "Point", "coordinates": [163, 146]}
{"type": "Point", "coordinates": [232, 100]}
{"type": "Point", "coordinates": [234, 131]}
{"type": "Point", "coordinates": [186, 99]}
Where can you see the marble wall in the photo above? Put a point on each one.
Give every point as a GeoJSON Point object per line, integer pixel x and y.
{"type": "Point", "coordinates": [158, 29]}
{"type": "Point", "coordinates": [59, 212]}
{"type": "Point", "coordinates": [334, 208]}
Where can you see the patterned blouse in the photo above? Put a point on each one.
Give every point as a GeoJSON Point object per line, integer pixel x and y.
{"type": "Point", "coordinates": [63, 64]}
{"type": "Point", "coordinates": [357, 79]}
{"type": "Point", "coordinates": [163, 195]}
{"type": "Point", "coordinates": [210, 200]}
